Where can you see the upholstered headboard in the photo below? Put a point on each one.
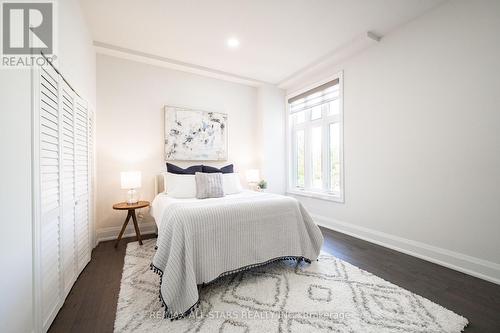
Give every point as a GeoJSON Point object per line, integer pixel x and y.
{"type": "Point", "coordinates": [159, 184]}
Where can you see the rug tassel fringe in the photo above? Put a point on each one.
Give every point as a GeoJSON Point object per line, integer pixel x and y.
{"type": "Point", "coordinates": [173, 317]}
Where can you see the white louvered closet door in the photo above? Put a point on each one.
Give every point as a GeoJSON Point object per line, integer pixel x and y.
{"type": "Point", "coordinates": [62, 182]}
{"type": "Point", "coordinates": [49, 152]}
{"type": "Point", "coordinates": [82, 174]}
{"type": "Point", "coordinates": [70, 269]}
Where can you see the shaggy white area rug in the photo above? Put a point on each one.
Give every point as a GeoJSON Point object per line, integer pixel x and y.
{"type": "Point", "coordinates": [329, 295]}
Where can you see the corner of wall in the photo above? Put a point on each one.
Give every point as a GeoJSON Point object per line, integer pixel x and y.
{"type": "Point", "coordinates": [271, 136]}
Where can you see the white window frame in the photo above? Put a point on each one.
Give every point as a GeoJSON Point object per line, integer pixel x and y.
{"type": "Point", "coordinates": [308, 191]}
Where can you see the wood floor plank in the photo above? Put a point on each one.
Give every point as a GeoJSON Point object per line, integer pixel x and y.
{"type": "Point", "coordinates": [91, 304]}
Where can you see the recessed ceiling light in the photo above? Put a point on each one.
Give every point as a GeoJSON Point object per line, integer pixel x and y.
{"type": "Point", "coordinates": [233, 43]}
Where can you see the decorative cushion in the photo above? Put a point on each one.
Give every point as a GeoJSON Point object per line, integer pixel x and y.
{"type": "Point", "coordinates": [227, 169]}
{"type": "Point", "coordinates": [231, 183]}
{"type": "Point", "coordinates": [209, 185]}
{"type": "Point", "coordinates": [179, 186]}
{"type": "Point", "coordinates": [172, 168]}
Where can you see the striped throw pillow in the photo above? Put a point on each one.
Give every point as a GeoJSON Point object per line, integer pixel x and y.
{"type": "Point", "coordinates": [209, 185]}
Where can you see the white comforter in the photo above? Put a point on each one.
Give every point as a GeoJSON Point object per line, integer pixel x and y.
{"type": "Point", "coordinates": [199, 240]}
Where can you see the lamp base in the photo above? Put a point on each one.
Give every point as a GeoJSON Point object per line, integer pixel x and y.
{"type": "Point", "coordinates": [132, 197]}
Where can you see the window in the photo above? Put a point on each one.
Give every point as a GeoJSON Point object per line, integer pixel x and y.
{"type": "Point", "coordinates": [315, 125]}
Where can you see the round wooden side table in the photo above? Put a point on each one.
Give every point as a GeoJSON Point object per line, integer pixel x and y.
{"type": "Point", "coordinates": [131, 214]}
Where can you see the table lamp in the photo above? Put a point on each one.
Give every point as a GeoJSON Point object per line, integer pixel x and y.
{"type": "Point", "coordinates": [253, 177]}
{"type": "Point", "coordinates": [131, 180]}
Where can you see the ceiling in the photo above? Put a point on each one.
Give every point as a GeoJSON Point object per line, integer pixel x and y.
{"type": "Point", "coordinates": [277, 37]}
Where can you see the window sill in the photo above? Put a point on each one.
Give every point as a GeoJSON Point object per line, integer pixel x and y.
{"type": "Point", "coordinates": [317, 195]}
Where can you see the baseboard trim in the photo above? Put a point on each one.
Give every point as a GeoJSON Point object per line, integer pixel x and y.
{"type": "Point", "coordinates": [477, 267]}
{"type": "Point", "coordinates": [110, 233]}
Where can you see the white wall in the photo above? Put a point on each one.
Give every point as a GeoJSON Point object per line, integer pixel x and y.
{"type": "Point", "coordinates": [422, 146]}
{"type": "Point", "coordinates": [130, 127]}
{"type": "Point", "coordinates": [76, 54]}
{"type": "Point", "coordinates": [16, 308]}
{"type": "Point", "coordinates": [271, 137]}
{"type": "Point", "coordinates": [76, 59]}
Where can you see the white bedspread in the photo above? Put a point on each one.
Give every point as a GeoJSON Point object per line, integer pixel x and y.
{"type": "Point", "coordinates": [198, 240]}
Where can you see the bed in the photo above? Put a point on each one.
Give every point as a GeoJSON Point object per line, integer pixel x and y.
{"type": "Point", "coordinates": [202, 240]}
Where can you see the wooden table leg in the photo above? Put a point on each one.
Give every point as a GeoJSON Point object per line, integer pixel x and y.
{"type": "Point", "coordinates": [136, 226]}
{"type": "Point", "coordinates": [129, 215]}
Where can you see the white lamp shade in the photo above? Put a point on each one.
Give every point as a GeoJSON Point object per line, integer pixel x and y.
{"type": "Point", "coordinates": [130, 179]}
{"type": "Point", "coordinates": [253, 176]}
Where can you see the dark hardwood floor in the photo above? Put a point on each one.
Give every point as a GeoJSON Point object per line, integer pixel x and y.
{"type": "Point", "coordinates": [91, 304]}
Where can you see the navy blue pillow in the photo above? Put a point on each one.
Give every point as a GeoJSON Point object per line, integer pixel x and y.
{"type": "Point", "coordinates": [227, 169]}
{"type": "Point", "coordinates": [180, 171]}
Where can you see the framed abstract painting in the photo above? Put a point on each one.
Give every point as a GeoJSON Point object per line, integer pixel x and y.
{"type": "Point", "coordinates": [195, 135]}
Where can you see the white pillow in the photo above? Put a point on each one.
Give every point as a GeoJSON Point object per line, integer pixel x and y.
{"type": "Point", "coordinates": [179, 186]}
{"type": "Point", "coordinates": [231, 183]}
